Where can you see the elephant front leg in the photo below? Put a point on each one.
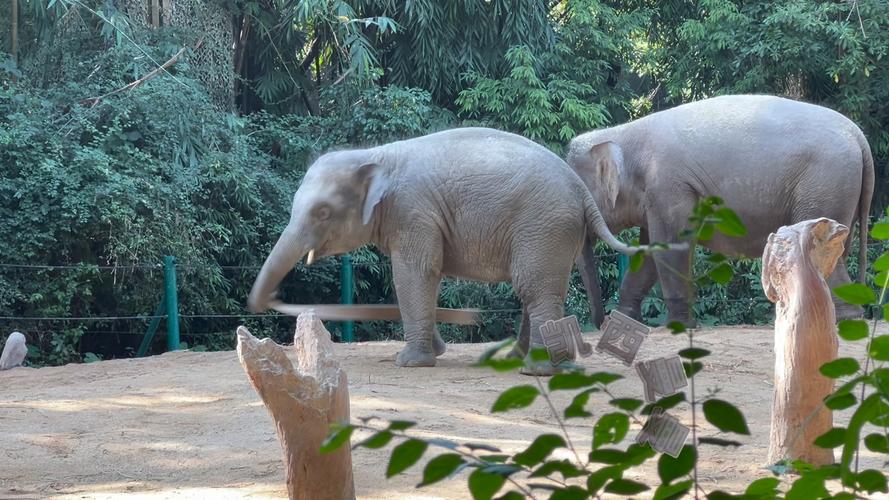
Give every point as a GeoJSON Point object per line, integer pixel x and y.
{"type": "Point", "coordinates": [417, 293]}
{"type": "Point", "coordinates": [674, 272]}
{"type": "Point", "coordinates": [636, 285]}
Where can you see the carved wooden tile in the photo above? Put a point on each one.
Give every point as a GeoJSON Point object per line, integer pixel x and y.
{"type": "Point", "coordinates": [664, 433]}
{"type": "Point", "coordinates": [621, 337]}
{"type": "Point", "coordinates": [563, 340]}
{"type": "Point", "coordinates": [661, 377]}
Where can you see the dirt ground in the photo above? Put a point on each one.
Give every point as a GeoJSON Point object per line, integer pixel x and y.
{"type": "Point", "coordinates": [189, 425]}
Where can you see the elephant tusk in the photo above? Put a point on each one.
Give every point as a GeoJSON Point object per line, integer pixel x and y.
{"type": "Point", "coordinates": [311, 257]}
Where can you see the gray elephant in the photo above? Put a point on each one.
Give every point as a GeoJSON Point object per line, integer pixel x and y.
{"type": "Point", "coordinates": [475, 203]}
{"type": "Point", "coordinates": [774, 161]}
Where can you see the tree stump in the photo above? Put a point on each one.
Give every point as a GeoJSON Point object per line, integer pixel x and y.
{"type": "Point", "coordinates": [795, 262]}
{"type": "Point", "coordinates": [303, 400]}
{"type": "Point", "coordinates": [14, 351]}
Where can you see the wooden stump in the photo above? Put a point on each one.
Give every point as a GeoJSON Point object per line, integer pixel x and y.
{"type": "Point", "coordinates": [795, 262]}
{"type": "Point", "coordinates": [303, 400]}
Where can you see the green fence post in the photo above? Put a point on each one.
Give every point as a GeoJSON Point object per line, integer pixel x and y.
{"type": "Point", "coordinates": [346, 291]}
{"type": "Point", "coordinates": [172, 303]}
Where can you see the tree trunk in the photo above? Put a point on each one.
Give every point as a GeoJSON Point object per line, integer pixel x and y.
{"type": "Point", "coordinates": [303, 400]}
{"type": "Point", "coordinates": [795, 262]}
{"type": "Point", "coordinates": [15, 29]}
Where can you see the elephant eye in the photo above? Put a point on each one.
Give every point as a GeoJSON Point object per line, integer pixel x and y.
{"type": "Point", "coordinates": [322, 213]}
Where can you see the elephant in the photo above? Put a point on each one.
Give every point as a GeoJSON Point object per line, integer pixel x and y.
{"type": "Point", "coordinates": [773, 160]}
{"type": "Point", "coordinates": [474, 203]}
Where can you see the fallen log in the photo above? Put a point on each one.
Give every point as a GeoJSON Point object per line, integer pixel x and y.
{"type": "Point", "coordinates": [374, 312]}
{"type": "Point", "coordinates": [303, 400]}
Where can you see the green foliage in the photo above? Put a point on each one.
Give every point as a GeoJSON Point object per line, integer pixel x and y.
{"type": "Point", "coordinates": [610, 460]}
{"type": "Point", "coordinates": [552, 95]}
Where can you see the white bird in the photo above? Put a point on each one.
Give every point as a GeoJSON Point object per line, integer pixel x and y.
{"type": "Point", "coordinates": [14, 352]}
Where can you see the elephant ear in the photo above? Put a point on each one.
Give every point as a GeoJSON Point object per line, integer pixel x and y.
{"type": "Point", "coordinates": [608, 165]}
{"type": "Point", "coordinates": [376, 184]}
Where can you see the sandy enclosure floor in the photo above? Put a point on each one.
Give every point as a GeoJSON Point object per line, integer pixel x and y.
{"type": "Point", "coordinates": [189, 425]}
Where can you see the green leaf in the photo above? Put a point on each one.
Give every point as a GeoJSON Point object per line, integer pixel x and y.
{"type": "Point", "coordinates": [484, 485]}
{"type": "Point", "coordinates": [839, 368]}
{"type": "Point", "coordinates": [882, 263]}
{"type": "Point", "coordinates": [853, 329]}
{"type": "Point", "coordinates": [627, 404]}
{"type": "Point", "coordinates": [404, 455]}
{"type": "Point", "coordinates": [564, 467]}
{"type": "Point", "coordinates": [807, 487]}
{"type": "Point", "coordinates": [570, 493]}
{"type": "Point", "coordinates": [609, 456]}
{"type": "Point", "coordinates": [669, 468]}
{"type": "Point", "coordinates": [831, 438]}
{"type": "Point", "coordinates": [636, 261]}
{"type": "Point", "coordinates": [692, 368]}
{"type": "Point", "coordinates": [872, 481]}
{"type": "Point", "coordinates": [571, 380]}
{"type": "Point", "coordinates": [670, 491]}
{"type": "Point", "coordinates": [880, 231]}
{"type": "Point", "coordinates": [625, 487]}
{"type": "Point", "coordinates": [578, 404]}
{"type": "Point", "coordinates": [722, 273]}
{"type": "Point", "coordinates": [400, 425]}
{"type": "Point", "coordinates": [879, 348]}
{"type": "Point", "coordinates": [504, 364]}
{"type": "Point", "coordinates": [637, 454]}
{"type": "Point", "coordinates": [676, 327]}
{"type": "Point", "coordinates": [840, 401]}
{"type": "Point", "coordinates": [539, 449]}
{"type": "Point", "coordinates": [440, 467]}
{"type": "Point", "coordinates": [598, 478]}
{"type": "Point", "coordinates": [539, 354]}
{"type": "Point", "coordinates": [855, 293]}
{"type": "Point", "coordinates": [881, 280]}
{"type": "Point", "coordinates": [378, 440]}
{"type": "Point", "coordinates": [694, 353]}
{"type": "Point", "coordinates": [730, 224]}
{"type": "Point", "coordinates": [767, 486]}
{"type": "Point", "coordinates": [725, 417]}
{"type": "Point", "coordinates": [610, 428]}
{"type": "Point", "coordinates": [515, 397]}
{"type": "Point", "coordinates": [719, 442]}
{"type": "Point", "coordinates": [878, 443]}
{"type": "Point", "coordinates": [339, 435]}
{"type": "Point", "coordinates": [664, 403]}
{"type": "Point", "coordinates": [863, 413]}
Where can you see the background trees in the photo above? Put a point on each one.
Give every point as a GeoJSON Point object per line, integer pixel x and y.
{"type": "Point", "coordinates": [200, 161]}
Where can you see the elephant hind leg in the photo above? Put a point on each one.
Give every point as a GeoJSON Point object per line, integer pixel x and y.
{"type": "Point", "coordinates": [543, 299]}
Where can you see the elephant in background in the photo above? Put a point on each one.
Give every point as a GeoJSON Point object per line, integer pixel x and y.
{"type": "Point", "coordinates": [774, 161]}
{"type": "Point", "coordinates": [475, 203]}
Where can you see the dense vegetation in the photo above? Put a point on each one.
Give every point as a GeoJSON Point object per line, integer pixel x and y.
{"type": "Point", "coordinates": [200, 161]}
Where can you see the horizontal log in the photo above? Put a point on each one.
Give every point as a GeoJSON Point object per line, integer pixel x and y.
{"type": "Point", "coordinates": [374, 312]}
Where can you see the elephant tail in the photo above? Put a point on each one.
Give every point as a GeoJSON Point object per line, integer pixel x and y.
{"type": "Point", "coordinates": [864, 201]}
{"type": "Point", "coordinates": [596, 225]}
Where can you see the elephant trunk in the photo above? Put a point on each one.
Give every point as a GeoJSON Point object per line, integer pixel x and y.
{"type": "Point", "coordinates": [289, 249]}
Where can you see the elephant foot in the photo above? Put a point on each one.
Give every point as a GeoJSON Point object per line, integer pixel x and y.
{"type": "Point", "coordinates": [848, 311]}
{"type": "Point", "coordinates": [631, 311]}
{"type": "Point", "coordinates": [414, 355]}
{"type": "Point", "coordinates": [439, 345]}
{"type": "Point", "coordinates": [678, 311]}
{"type": "Point", "coordinates": [542, 368]}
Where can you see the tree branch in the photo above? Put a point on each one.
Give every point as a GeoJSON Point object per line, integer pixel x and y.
{"type": "Point", "coordinates": [132, 85]}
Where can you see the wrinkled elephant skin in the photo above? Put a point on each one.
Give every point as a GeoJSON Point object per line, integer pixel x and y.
{"type": "Point", "coordinates": [774, 161]}
{"type": "Point", "coordinates": [474, 203]}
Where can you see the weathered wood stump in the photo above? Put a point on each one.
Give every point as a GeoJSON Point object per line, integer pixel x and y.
{"type": "Point", "coordinates": [14, 351]}
{"type": "Point", "coordinates": [795, 262]}
{"type": "Point", "coordinates": [303, 400]}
